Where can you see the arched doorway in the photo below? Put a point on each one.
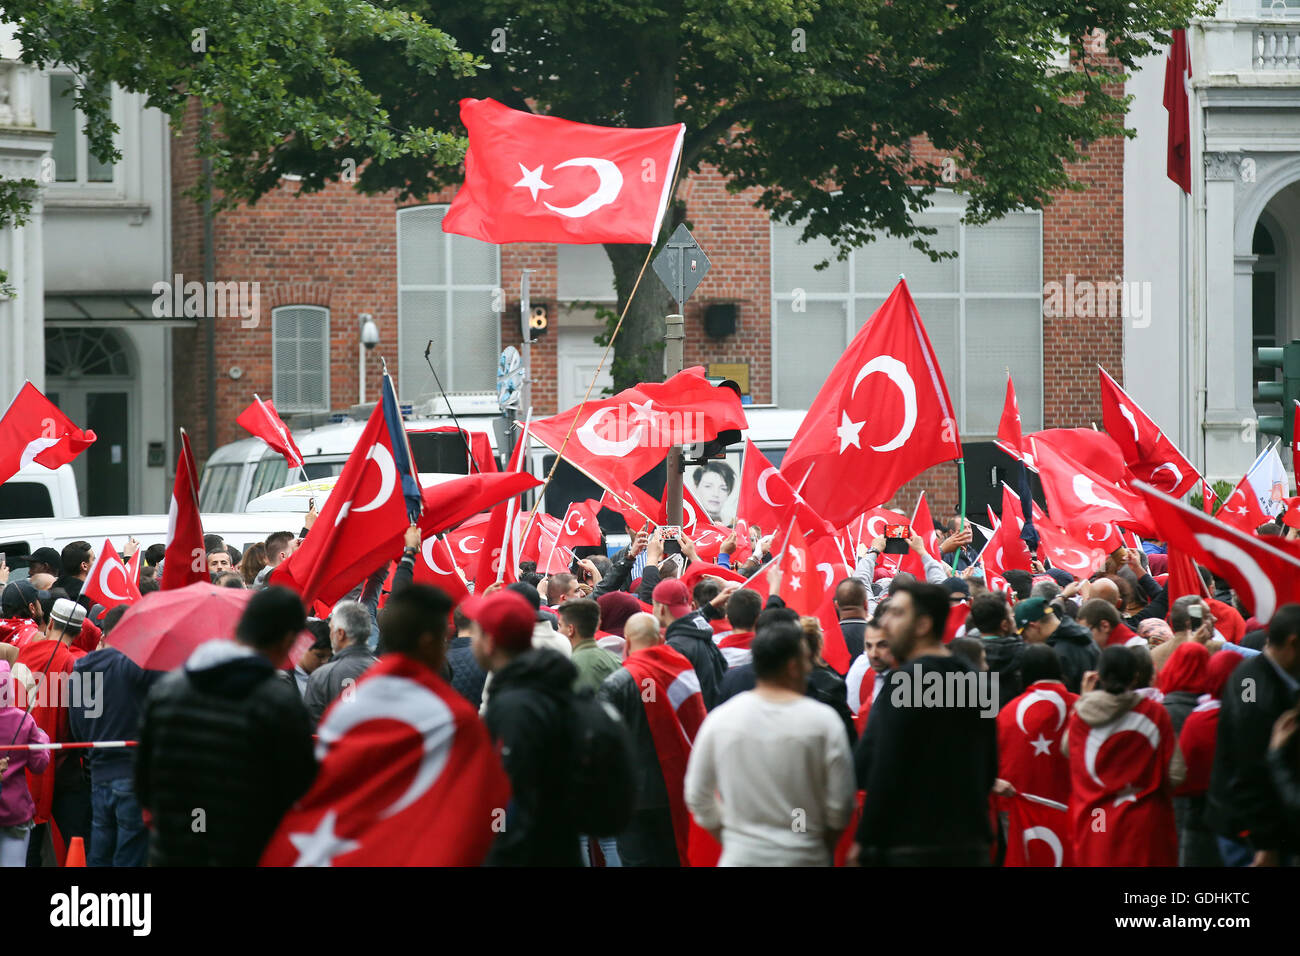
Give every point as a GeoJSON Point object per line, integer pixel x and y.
{"type": "Point", "coordinates": [89, 374]}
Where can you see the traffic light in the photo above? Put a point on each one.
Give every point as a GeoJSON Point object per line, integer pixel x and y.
{"type": "Point", "coordinates": [1285, 392]}
{"type": "Point", "coordinates": [537, 323]}
{"type": "Point", "coordinates": [700, 452]}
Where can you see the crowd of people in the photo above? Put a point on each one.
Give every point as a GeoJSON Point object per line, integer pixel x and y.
{"type": "Point", "coordinates": [1168, 735]}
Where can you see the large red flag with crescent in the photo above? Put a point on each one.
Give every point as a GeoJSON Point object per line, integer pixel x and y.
{"type": "Point", "coordinates": [531, 178]}
{"type": "Point", "coordinates": [882, 417]}
{"type": "Point", "coordinates": [408, 777]}
{"type": "Point", "coordinates": [1149, 455]}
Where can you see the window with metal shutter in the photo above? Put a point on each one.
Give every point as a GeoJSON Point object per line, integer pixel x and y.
{"type": "Point", "coordinates": [300, 358]}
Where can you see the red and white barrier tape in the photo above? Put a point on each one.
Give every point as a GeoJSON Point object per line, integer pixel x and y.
{"type": "Point", "coordinates": [104, 744]}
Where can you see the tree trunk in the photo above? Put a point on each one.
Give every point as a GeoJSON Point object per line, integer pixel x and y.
{"type": "Point", "coordinates": [639, 348]}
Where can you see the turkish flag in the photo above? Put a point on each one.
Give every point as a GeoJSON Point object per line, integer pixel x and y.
{"type": "Point", "coordinates": [1148, 455]}
{"type": "Point", "coordinates": [492, 563]}
{"type": "Point", "coordinates": [185, 560]}
{"type": "Point", "coordinates": [1208, 498]}
{"type": "Point", "coordinates": [436, 565]}
{"type": "Point", "coordinates": [1291, 517]}
{"type": "Point", "coordinates": [1062, 550]}
{"type": "Point", "coordinates": [33, 429]}
{"type": "Point", "coordinates": [466, 541]}
{"type": "Point", "coordinates": [579, 527]}
{"type": "Point", "coordinates": [636, 506]}
{"type": "Point", "coordinates": [801, 582]}
{"type": "Point", "coordinates": [882, 417]}
{"type": "Point", "coordinates": [1178, 82]}
{"type": "Point", "coordinates": [262, 421]}
{"type": "Point", "coordinates": [531, 178]}
{"type": "Point", "coordinates": [768, 500]}
{"type": "Point", "coordinates": [409, 778]}
{"type": "Point", "coordinates": [1241, 510]}
{"type": "Point", "coordinates": [1117, 774]}
{"type": "Point", "coordinates": [619, 439]}
{"type": "Point", "coordinates": [108, 582]}
{"type": "Point", "coordinates": [1038, 831]}
{"type": "Point", "coordinates": [1009, 434]}
{"type": "Point", "coordinates": [133, 566]}
{"type": "Point", "coordinates": [1006, 546]}
{"type": "Point", "coordinates": [674, 711]}
{"type": "Point", "coordinates": [1095, 450]}
{"type": "Point", "coordinates": [542, 545]}
{"type": "Point", "coordinates": [1030, 729]}
{"type": "Point", "coordinates": [1264, 575]}
{"type": "Point", "coordinates": [1078, 497]}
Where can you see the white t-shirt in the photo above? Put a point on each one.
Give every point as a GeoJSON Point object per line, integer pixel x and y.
{"type": "Point", "coordinates": [777, 778]}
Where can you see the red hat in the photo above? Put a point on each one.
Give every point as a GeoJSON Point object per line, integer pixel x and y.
{"type": "Point", "coordinates": [674, 596]}
{"type": "Point", "coordinates": [506, 616]}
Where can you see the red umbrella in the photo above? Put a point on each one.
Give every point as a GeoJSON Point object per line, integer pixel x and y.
{"type": "Point", "coordinates": [160, 631]}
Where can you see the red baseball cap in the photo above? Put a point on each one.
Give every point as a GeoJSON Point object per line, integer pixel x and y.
{"type": "Point", "coordinates": [673, 595]}
{"type": "Point", "coordinates": [506, 616]}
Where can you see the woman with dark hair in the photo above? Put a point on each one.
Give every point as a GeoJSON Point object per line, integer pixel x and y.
{"type": "Point", "coordinates": [1198, 845]}
{"type": "Point", "coordinates": [1124, 765]}
{"type": "Point", "coordinates": [253, 562]}
{"type": "Point", "coordinates": [713, 484]}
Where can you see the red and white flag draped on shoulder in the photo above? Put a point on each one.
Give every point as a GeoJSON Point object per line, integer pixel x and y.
{"type": "Point", "coordinates": [882, 417]}
{"type": "Point", "coordinates": [617, 440]}
{"type": "Point", "coordinates": [408, 777]}
{"type": "Point", "coordinates": [674, 709]}
{"type": "Point", "coordinates": [531, 178]}
{"type": "Point", "coordinates": [33, 429]}
{"type": "Point", "coordinates": [184, 561]}
{"type": "Point", "coordinates": [1030, 729]}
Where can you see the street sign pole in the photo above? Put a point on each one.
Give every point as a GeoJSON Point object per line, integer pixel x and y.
{"type": "Point", "coordinates": [525, 310]}
{"type": "Point", "coordinates": [680, 265]}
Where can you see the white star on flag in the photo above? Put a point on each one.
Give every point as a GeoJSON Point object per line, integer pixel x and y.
{"type": "Point", "coordinates": [532, 179]}
{"type": "Point", "coordinates": [848, 432]}
{"type": "Point", "coordinates": [320, 847]}
{"type": "Point", "coordinates": [1041, 746]}
{"type": "Point", "coordinates": [1127, 795]}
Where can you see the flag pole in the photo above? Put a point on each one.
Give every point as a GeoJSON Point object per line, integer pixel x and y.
{"type": "Point", "coordinates": [507, 541]}
{"type": "Point", "coordinates": [961, 525]}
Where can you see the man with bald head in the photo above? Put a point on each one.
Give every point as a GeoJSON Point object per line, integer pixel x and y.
{"type": "Point", "coordinates": [657, 693]}
{"type": "Point", "coordinates": [851, 606]}
{"type": "Point", "coordinates": [1107, 589]}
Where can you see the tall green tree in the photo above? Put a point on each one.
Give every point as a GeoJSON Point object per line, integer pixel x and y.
{"type": "Point", "coordinates": [818, 105]}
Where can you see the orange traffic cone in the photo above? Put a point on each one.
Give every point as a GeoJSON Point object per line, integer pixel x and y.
{"type": "Point", "coordinates": [76, 852]}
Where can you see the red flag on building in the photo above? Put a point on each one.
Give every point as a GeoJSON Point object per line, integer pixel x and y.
{"type": "Point", "coordinates": [410, 778]}
{"type": "Point", "coordinates": [262, 421]}
{"type": "Point", "coordinates": [108, 582]}
{"type": "Point", "coordinates": [1148, 453]}
{"type": "Point", "coordinates": [185, 560]}
{"type": "Point", "coordinates": [882, 417]}
{"type": "Point", "coordinates": [1177, 100]}
{"type": "Point", "coordinates": [33, 429]}
{"type": "Point", "coordinates": [531, 178]}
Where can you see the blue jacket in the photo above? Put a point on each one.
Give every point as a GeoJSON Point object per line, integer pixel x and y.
{"type": "Point", "coordinates": [108, 708]}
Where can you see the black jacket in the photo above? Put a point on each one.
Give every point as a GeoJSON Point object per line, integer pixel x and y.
{"type": "Point", "coordinates": [621, 691]}
{"type": "Point", "coordinates": [225, 749]}
{"type": "Point", "coordinates": [854, 630]}
{"type": "Point", "coordinates": [1077, 650]}
{"type": "Point", "coordinates": [528, 715]}
{"type": "Point", "coordinates": [1003, 655]}
{"type": "Point", "coordinates": [692, 637]}
{"type": "Point", "coordinates": [467, 677]}
{"type": "Point", "coordinates": [1243, 798]}
{"type": "Point", "coordinates": [328, 681]}
{"type": "Point", "coordinates": [1180, 703]}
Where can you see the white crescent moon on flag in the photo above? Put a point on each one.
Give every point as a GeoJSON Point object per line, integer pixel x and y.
{"type": "Point", "coordinates": [872, 532]}
{"type": "Point", "coordinates": [103, 582]}
{"type": "Point", "coordinates": [1081, 563]}
{"type": "Point", "coordinates": [762, 485]}
{"type": "Point", "coordinates": [1138, 723]}
{"type": "Point", "coordinates": [1127, 413]}
{"type": "Point", "coordinates": [34, 448]}
{"type": "Point", "coordinates": [466, 540]}
{"type": "Point", "coordinates": [1262, 590]}
{"type": "Point", "coordinates": [1033, 697]}
{"type": "Point", "coordinates": [567, 519]}
{"type": "Point", "coordinates": [599, 445]}
{"type": "Point", "coordinates": [387, 476]}
{"type": "Point", "coordinates": [426, 549]}
{"type": "Point", "coordinates": [899, 375]}
{"type": "Point", "coordinates": [404, 700]}
{"type": "Point", "coordinates": [1048, 836]}
{"type": "Point", "coordinates": [1178, 475]}
{"type": "Point", "coordinates": [611, 183]}
{"type": "Point", "coordinates": [689, 516]}
{"type": "Point", "coordinates": [828, 570]}
{"type": "Point", "coordinates": [1086, 491]}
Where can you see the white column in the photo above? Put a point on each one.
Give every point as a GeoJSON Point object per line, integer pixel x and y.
{"type": "Point", "coordinates": [1229, 412]}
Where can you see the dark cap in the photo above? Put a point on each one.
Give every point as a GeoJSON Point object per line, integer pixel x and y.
{"type": "Point", "coordinates": [1030, 610]}
{"type": "Point", "coordinates": [531, 595]}
{"type": "Point", "coordinates": [956, 585]}
{"type": "Point", "coordinates": [18, 595]}
{"type": "Point", "coordinates": [43, 556]}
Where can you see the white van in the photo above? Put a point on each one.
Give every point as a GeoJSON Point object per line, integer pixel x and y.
{"type": "Point", "coordinates": [40, 492]}
{"type": "Point", "coordinates": [24, 536]}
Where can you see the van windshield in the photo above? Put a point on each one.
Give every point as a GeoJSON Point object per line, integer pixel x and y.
{"type": "Point", "coordinates": [219, 486]}
{"type": "Point", "coordinates": [25, 499]}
